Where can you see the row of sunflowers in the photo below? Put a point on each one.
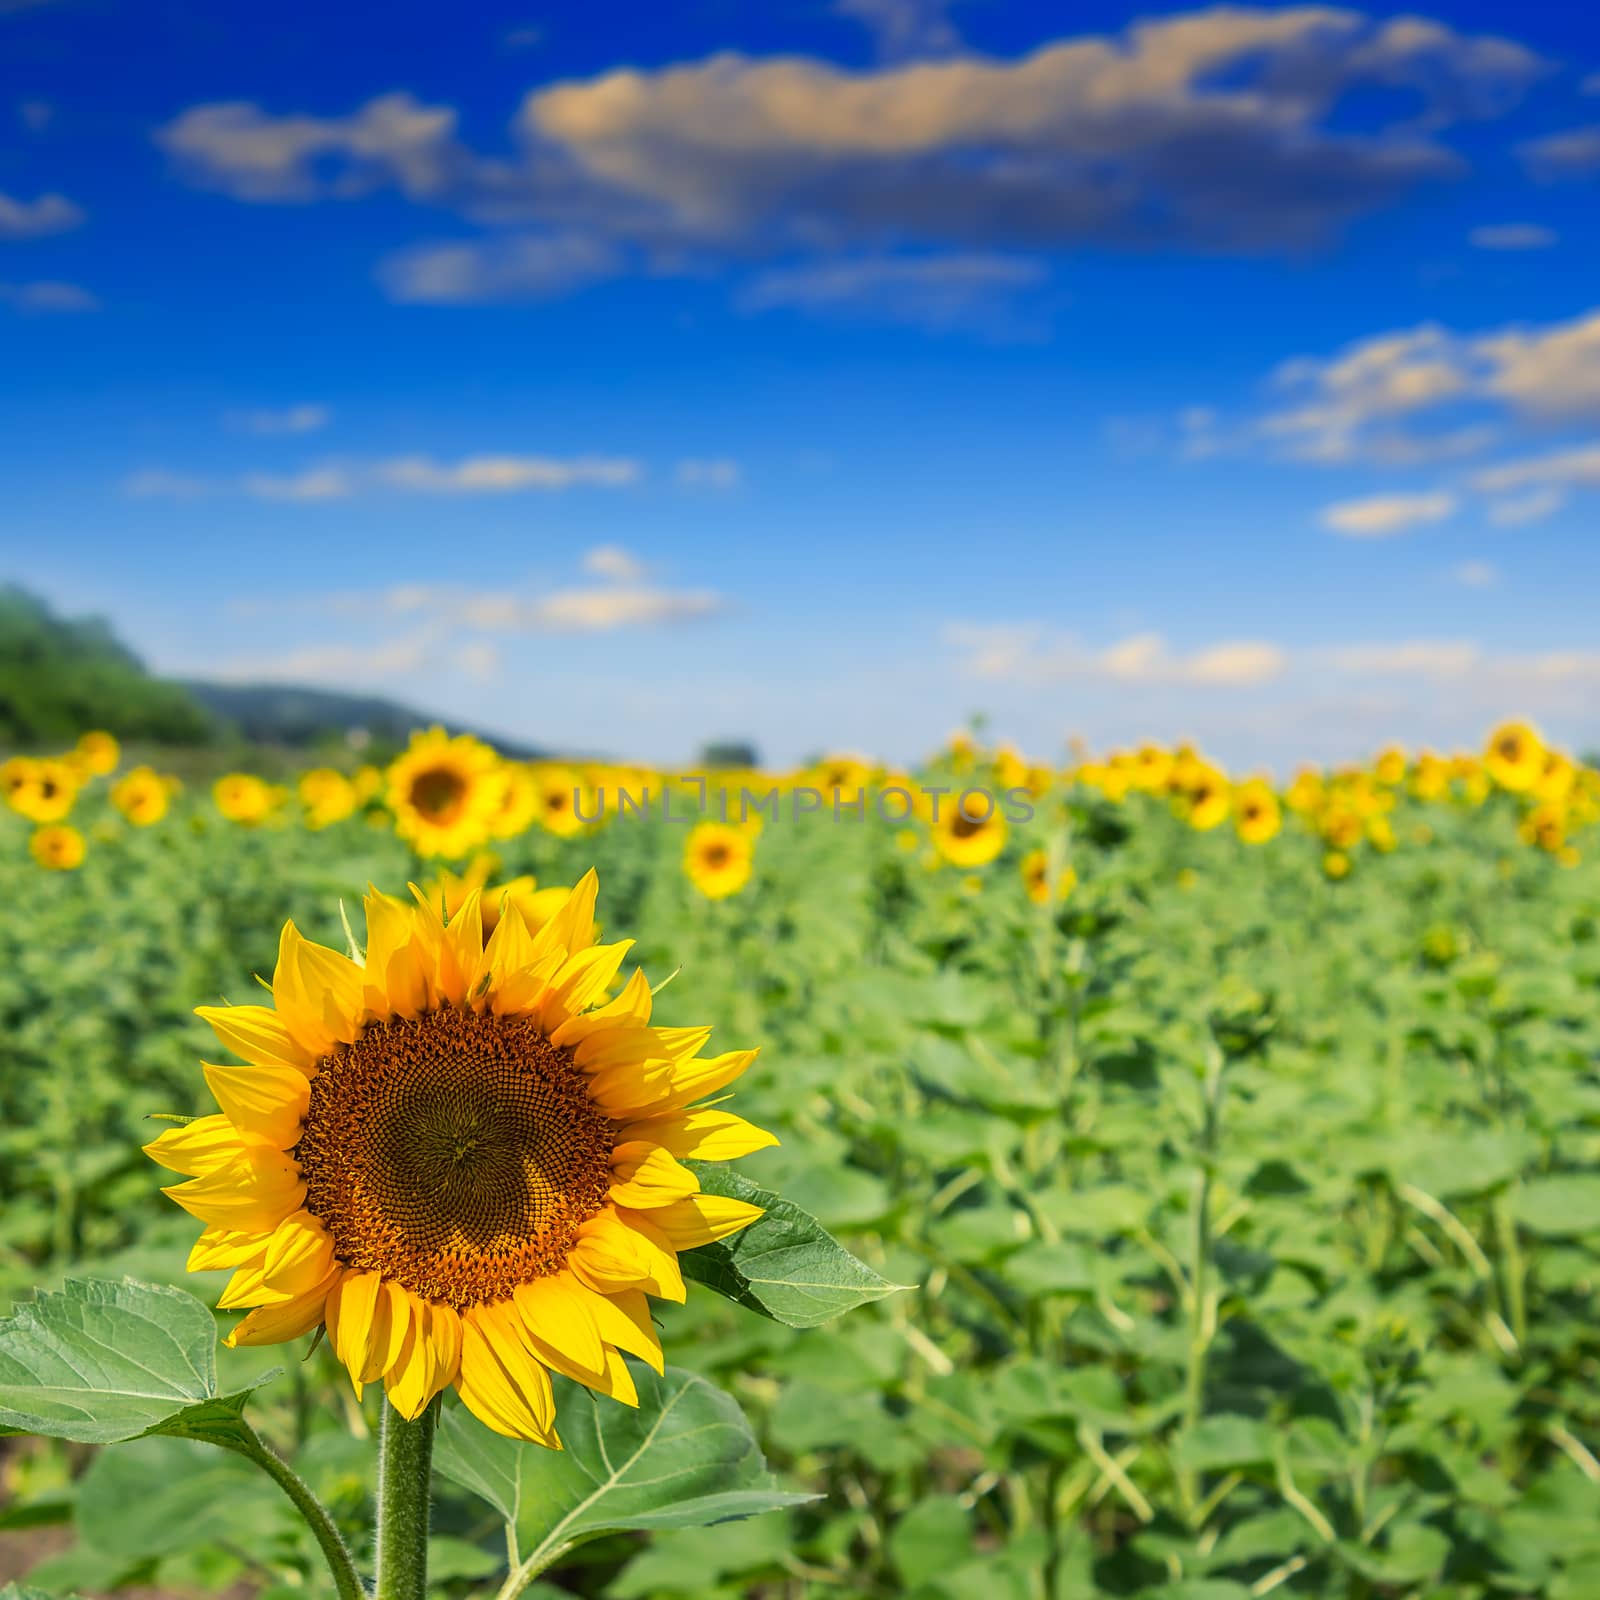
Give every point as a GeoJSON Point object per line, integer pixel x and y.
{"type": "Point", "coordinates": [450, 797]}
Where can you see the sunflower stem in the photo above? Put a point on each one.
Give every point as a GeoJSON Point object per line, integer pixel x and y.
{"type": "Point", "coordinates": [405, 1463]}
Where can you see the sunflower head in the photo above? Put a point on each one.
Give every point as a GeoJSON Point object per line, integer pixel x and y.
{"type": "Point", "coordinates": [1257, 814]}
{"type": "Point", "coordinates": [970, 829]}
{"type": "Point", "coordinates": [244, 798]}
{"type": "Point", "coordinates": [1035, 869]}
{"type": "Point", "coordinates": [1515, 756]}
{"type": "Point", "coordinates": [565, 801]}
{"type": "Point", "coordinates": [42, 790]}
{"type": "Point", "coordinates": [57, 847]}
{"type": "Point", "coordinates": [141, 796]}
{"type": "Point", "coordinates": [445, 792]}
{"type": "Point", "coordinates": [1208, 799]}
{"type": "Point", "coordinates": [98, 752]}
{"type": "Point", "coordinates": [717, 859]}
{"type": "Point", "coordinates": [460, 1157]}
{"type": "Point", "coordinates": [327, 796]}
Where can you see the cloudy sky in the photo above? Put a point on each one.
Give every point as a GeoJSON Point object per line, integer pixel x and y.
{"type": "Point", "coordinates": [822, 372]}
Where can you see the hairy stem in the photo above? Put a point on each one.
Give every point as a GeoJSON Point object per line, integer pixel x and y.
{"type": "Point", "coordinates": [405, 1463]}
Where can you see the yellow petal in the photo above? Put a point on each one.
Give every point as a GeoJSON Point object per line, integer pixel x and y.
{"type": "Point", "coordinates": [647, 1177]}
{"type": "Point", "coordinates": [391, 1325]}
{"type": "Point", "coordinates": [700, 1219]}
{"type": "Point", "coordinates": [611, 1254]}
{"type": "Point", "coordinates": [461, 954]}
{"type": "Point", "coordinates": [583, 980]}
{"type": "Point", "coordinates": [623, 1318]}
{"type": "Point", "coordinates": [555, 1310]}
{"type": "Point", "coordinates": [394, 983]}
{"type": "Point", "coordinates": [259, 1035]}
{"type": "Point", "coordinates": [703, 1135]}
{"type": "Point", "coordinates": [269, 1102]}
{"type": "Point", "coordinates": [299, 1254]}
{"type": "Point", "coordinates": [246, 1288]}
{"type": "Point", "coordinates": [317, 991]}
{"type": "Point", "coordinates": [198, 1146]}
{"type": "Point", "coordinates": [350, 1314]}
{"type": "Point", "coordinates": [288, 1320]}
{"type": "Point", "coordinates": [510, 1395]}
{"type": "Point", "coordinates": [258, 1189]}
{"type": "Point", "coordinates": [429, 1358]}
{"type": "Point", "coordinates": [631, 1009]}
{"type": "Point", "coordinates": [572, 927]}
{"type": "Point", "coordinates": [225, 1247]}
{"type": "Point", "coordinates": [695, 1079]}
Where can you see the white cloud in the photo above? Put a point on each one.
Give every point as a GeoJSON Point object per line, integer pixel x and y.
{"type": "Point", "coordinates": [316, 483]}
{"type": "Point", "coordinates": [1460, 659]}
{"type": "Point", "coordinates": [155, 483]}
{"type": "Point", "coordinates": [44, 296]}
{"type": "Point", "coordinates": [711, 473]}
{"type": "Point", "coordinates": [1561, 468]}
{"type": "Point", "coordinates": [333, 663]}
{"type": "Point", "coordinates": [607, 609]}
{"type": "Point", "coordinates": [612, 561]}
{"type": "Point", "coordinates": [904, 28]}
{"type": "Point", "coordinates": [1476, 574]}
{"type": "Point", "coordinates": [1028, 653]}
{"type": "Point", "coordinates": [289, 420]}
{"type": "Point", "coordinates": [1532, 507]}
{"type": "Point", "coordinates": [936, 292]}
{"type": "Point", "coordinates": [1513, 236]}
{"type": "Point", "coordinates": [33, 219]}
{"type": "Point", "coordinates": [1381, 516]}
{"type": "Point", "coordinates": [504, 474]}
{"type": "Point", "coordinates": [1573, 154]}
{"type": "Point", "coordinates": [498, 270]}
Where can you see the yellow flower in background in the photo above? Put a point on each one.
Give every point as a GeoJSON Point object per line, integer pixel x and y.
{"type": "Point", "coordinates": [1257, 814]}
{"type": "Point", "coordinates": [57, 847]}
{"type": "Point", "coordinates": [1336, 865]}
{"type": "Point", "coordinates": [1558, 780]}
{"type": "Point", "coordinates": [141, 796]}
{"type": "Point", "coordinates": [444, 793]}
{"type": "Point", "coordinates": [1035, 870]}
{"type": "Point", "coordinates": [458, 1160]}
{"type": "Point", "coordinates": [519, 802]}
{"type": "Point", "coordinates": [1515, 757]}
{"type": "Point", "coordinates": [717, 859]}
{"type": "Point", "coordinates": [1340, 825]}
{"type": "Point", "coordinates": [99, 752]}
{"type": "Point", "coordinates": [1390, 766]}
{"type": "Point", "coordinates": [1152, 768]}
{"type": "Point", "coordinates": [562, 795]}
{"type": "Point", "coordinates": [907, 840]}
{"type": "Point", "coordinates": [1545, 826]}
{"type": "Point", "coordinates": [368, 782]}
{"type": "Point", "coordinates": [45, 791]}
{"type": "Point", "coordinates": [1187, 878]}
{"type": "Point", "coordinates": [1381, 835]}
{"type": "Point", "coordinates": [1208, 799]}
{"type": "Point", "coordinates": [964, 833]}
{"type": "Point", "coordinates": [327, 795]}
{"type": "Point", "coordinates": [1305, 794]}
{"type": "Point", "coordinates": [244, 798]}
{"type": "Point", "coordinates": [450, 892]}
{"type": "Point", "coordinates": [840, 772]}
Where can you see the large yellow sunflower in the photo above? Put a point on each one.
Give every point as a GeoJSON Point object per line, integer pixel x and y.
{"type": "Point", "coordinates": [42, 790]}
{"type": "Point", "coordinates": [459, 1157]}
{"type": "Point", "coordinates": [1515, 757]}
{"type": "Point", "coordinates": [445, 793]}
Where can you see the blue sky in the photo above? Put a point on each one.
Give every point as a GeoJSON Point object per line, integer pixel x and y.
{"type": "Point", "coordinates": [621, 377]}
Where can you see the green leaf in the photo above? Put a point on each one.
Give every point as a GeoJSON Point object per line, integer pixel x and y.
{"type": "Point", "coordinates": [686, 1457]}
{"type": "Point", "coordinates": [100, 1362]}
{"type": "Point", "coordinates": [1222, 1441]}
{"type": "Point", "coordinates": [934, 1536]}
{"type": "Point", "coordinates": [785, 1266]}
{"type": "Point", "coordinates": [1565, 1204]}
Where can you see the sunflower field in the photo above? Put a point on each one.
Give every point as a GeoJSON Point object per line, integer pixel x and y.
{"type": "Point", "coordinates": [1190, 1183]}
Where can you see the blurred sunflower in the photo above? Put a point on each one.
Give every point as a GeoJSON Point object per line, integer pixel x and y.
{"type": "Point", "coordinates": [519, 802]}
{"type": "Point", "coordinates": [1545, 826]}
{"type": "Point", "coordinates": [141, 796]}
{"type": "Point", "coordinates": [964, 836]}
{"type": "Point", "coordinates": [98, 752]}
{"type": "Point", "coordinates": [1336, 865]}
{"type": "Point", "coordinates": [58, 847]}
{"type": "Point", "coordinates": [327, 795]}
{"type": "Point", "coordinates": [1035, 870]}
{"type": "Point", "coordinates": [16, 773]}
{"type": "Point", "coordinates": [562, 795]}
{"type": "Point", "coordinates": [244, 798]}
{"type": "Point", "coordinates": [46, 793]}
{"type": "Point", "coordinates": [1208, 799]}
{"type": "Point", "coordinates": [444, 793]}
{"type": "Point", "coordinates": [1514, 757]}
{"type": "Point", "coordinates": [457, 1161]}
{"type": "Point", "coordinates": [717, 859]}
{"type": "Point", "coordinates": [1257, 814]}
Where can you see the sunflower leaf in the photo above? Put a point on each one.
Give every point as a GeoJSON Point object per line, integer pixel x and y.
{"type": "Point", "coordinates": [101, 1361]}
{"type": "Point", "coordinates": [785, 1265]}
{"type": "Point", "coordinates": [685, 1458]}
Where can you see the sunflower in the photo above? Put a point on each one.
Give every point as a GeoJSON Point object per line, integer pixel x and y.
{"type": "Point", "coordinates": [445, 792]}
{"type": "Point", "coordinates": [1515, 757]}
{"type": "Point", "coordinates": [1390, 767]}
{"type": "Point", "coordinates": [244, 798]}
{"type": "Point", "coordinates": [1208, 799]}
{"type": "Point", "coordinates": [562, 796]}
{"type": "Point", "coordinates": [1336, 865]}
{"type": "Point", "coordinates": [57, 847]}
{"type": "Point", "coordinates": [45, 792]}
{"type": "Point", "coordinates": [1545, 826]}
{"type": "Point", "coordinates": [967, 837]}
{"type": "Point", "coordinates": [327, 795]}
{"type": "Point", "coordinates": [519, 802]}
{"type": "Point", "coordinates": [1257, 814]}
{"type": "Point", "coordinates": [98, 752]}
{"type": "Point", "coordinates": [1036, 878]}
{"type": "Point", "coordinates": [717, 859]}
{"type": "Point", "coordinates": [141, 796]}
{"type": "Point", "coordinates": [457, 1161]}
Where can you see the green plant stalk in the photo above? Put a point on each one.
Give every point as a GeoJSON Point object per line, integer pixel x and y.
{"type": "Point", "coordinates": [347, 1583]}
{"type": "Point", "coordinates": [405, 1465]}
{"type": "Point", "coordinates": [1201, 1326]}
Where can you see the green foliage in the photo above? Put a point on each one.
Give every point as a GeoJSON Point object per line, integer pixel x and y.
{"type": "Point", "coordinates": [59, 678]}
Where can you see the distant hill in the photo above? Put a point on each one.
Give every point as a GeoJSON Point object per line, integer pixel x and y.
{"type": "Point", "coordinates": [60, 676]}
{"type": "Point", "coordinates": [277, 713]}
